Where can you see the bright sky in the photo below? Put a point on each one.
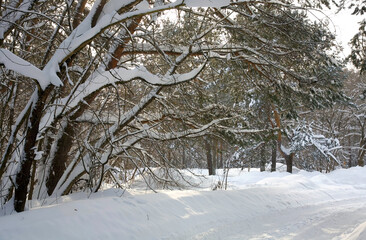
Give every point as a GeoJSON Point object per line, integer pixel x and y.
{"type": "Point", "coordinates": [345, 26]}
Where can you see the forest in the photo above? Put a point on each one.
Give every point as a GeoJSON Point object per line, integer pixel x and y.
{"type": "Point", "coordinates": [97, 92]}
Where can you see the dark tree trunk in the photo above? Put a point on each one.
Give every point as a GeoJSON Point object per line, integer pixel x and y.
{"type": "Point", "coordinates": [32, 181]}
{"type": "Point", "coordinates": [361, 154]}
{"type": "Point", "coordinates": [58, 165]}
{"type": "Point", "coordinates": [214, 156]}
{"type": "Point", "coordinates": [221, 162]}
{"type": "Point", "coordinates": [64, 145]}
{"type": "Point", "coordinates": [274, 156]}
{"type": "Point", "coordinates": [211, 170]}
{"type": "Point", "coordinates": [263, 158]}
{"type": "Point", "coordinates": [183, 156]}
{"type": "Point", "coordinates": [28, 154]}
{"type": "Point", "coordinates": [288, 156]}
{"type": "Point", "coordinates": [289, 162]}
{"type": "Point", "coordinates": [361, 162]}
{"type": "Point", "coordinates": [350, 160]}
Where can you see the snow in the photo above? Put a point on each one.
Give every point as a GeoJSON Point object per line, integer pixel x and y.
{"type": "Point", "coordinates": [257, 205]}
{"type": "Point", "coordinates": [9, 16]}
{"type": "Point", "coordinates": [102, 78]}
{"type": "Point", "coordinates": [287, 151]}
{"type": "Point", "coordinates": [19, 65]}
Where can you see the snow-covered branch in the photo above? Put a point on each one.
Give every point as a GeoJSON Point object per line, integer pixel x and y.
{"type": "Point", "coordinates": [13, 12]}
{"type": "Point", "coordinates": [25, 68]}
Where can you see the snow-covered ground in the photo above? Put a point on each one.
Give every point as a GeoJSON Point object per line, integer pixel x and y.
{"type": "Point", "coordinates": [304, 205]}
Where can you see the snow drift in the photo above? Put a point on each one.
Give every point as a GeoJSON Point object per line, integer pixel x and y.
{"type": "Point", "coordinates": [306, 205]}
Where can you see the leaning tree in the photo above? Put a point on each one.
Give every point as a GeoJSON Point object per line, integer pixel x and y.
{"type": "Point", "coordinates": [89, 88]}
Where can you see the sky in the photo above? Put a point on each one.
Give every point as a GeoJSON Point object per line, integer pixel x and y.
{"type": "Point", "coordinates": [345, 25]}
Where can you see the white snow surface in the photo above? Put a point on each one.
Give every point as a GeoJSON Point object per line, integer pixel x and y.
{"type": "Point", "coordinates": [257, 205]}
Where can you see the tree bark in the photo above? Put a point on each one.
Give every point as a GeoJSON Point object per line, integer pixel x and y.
{"type": "Point", "coordinates": [28, 153]}
{"type": "Point", "coordinates": [263, 158]}
{"type": "Point", "coordinates": [350, 160]}
{"type": "Point", "coordinates": [214, 155]}
{"type": "Point", "coordinates": [274, 156]}
{"type": "Point", "coordinates": [289, 161]}
{"type": "Point", "coordinates": [183, 156]}
{"type": "Point", "coordinates": [361, 153]}
{"type": "Point", "coordinates": [288, 157]}
{"type": "Point", "coordinates": [211, 169]}
{"type": "Point", "coordinates": [58, 165]}
{"type": "Point", "coordinates": [221, 162]}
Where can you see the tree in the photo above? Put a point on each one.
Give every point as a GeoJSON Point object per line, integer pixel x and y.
{"type": "Point", "coordinates": [272, 84]}
{"type": "Point", "coordinates": [66, 84]}
{"type": "Point", "coordinates": [100, 84]}
{"type": "Point", "coordinates": [345, 121]}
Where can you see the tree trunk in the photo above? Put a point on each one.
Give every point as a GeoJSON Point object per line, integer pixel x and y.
{"type": "Point", "coordinates": [274, 156]}
{"type": "Point", "coordinates": [221, 162]}
{"type": "Point", "coordinates": [183, 156]}
{"type": "Point", "coordinates": [28, 153]}
{"type": "Point", "coordinates": [211, 170]}
{"type": "Point", "coordinates": [214, 156]}
{"type": "Point", "coordinates": [289, 161]}
{"type": "Point", "coordinates": [288, 157]}
{"type": "Point", "coordinates": [361, 161]}
{"type": "Point", "coordinates": [350, 160]}
{"type": "Point", "coordinates": [361, 154]}
{"type": "Point", "coordinates": [58, 163]}
{"type": "Point", "coordinates": [263, 158]}
{"type": "Point", "coordinates": [32, 181]}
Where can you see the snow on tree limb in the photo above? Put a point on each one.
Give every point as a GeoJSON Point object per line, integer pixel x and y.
{"type": "Point", "coordinates": [125, 75]}
{"type": "Point", "coordinates": [246, 131]}
{"type": "Point", "coordinates": [10, 16]}
{"type": "Point", "coordinates": [85, 32]}
{"type": "Point", "coordinates": [25, 68]}
{"type": "Point", "coordinates": [77, 168]}
{"type": "Point", "coordinates": [112, 77]}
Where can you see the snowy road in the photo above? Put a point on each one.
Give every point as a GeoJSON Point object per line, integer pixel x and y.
{"type": "Point", "coordinates": [338, 220]}
{"type": "Point", "coordinates": [258, 206]}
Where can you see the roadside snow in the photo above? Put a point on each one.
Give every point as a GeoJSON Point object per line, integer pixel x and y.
{"type": "Point", "coordinates": [305, 205]}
